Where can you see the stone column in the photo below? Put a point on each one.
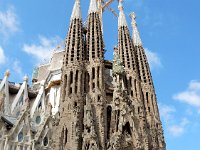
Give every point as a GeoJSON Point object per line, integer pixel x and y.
{"type": "Point", "coordinates": [6, 143]}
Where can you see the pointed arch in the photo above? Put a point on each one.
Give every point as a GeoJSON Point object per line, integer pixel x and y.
{"type": "Point", "coordinates": [127, 129]}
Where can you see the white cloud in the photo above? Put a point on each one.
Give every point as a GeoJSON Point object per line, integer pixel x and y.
{"type": "Point", "coordinates": [167, 115]}
{"type": "Point", "coordinates": [2, 56]}
{"type": "Point", "coordinates": [178, 130]}
{"type": "Point", "coordinates": [9, 23]}
{"type": "Point", "coordinates": [166, 112]}
{"type": "Point", "coordinates": [194, 85]}
{"type": "Point", "coordinates": [43, 50]}
{"type": "Point", "coordinates": [17, 68]}
{"type": "Point", "coordinates": [153, 58]}
{"type": "Point", "coordinates": [173, 127]}
{"type": "Point", "coordinates": [184, 122]}
{"type": "Point", "coordinates": [190, 96]}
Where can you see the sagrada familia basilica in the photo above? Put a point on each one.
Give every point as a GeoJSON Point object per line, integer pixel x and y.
{"type": "Point", "coordinates": [79, 100]}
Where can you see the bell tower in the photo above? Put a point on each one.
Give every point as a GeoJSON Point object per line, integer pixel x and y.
{"type": "Point", "coordinates": [95, 115]}
{"type": "Point", "coordinates": [156, 138]}
{"type": "Point", "coordinates": [95, 69]}
{"type": "Point", "coordinates": [68, 133]}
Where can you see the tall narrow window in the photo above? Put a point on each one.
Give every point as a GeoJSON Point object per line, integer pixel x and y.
{"type": "Point", "coordinates": [98, 73]}
{"type": "Point", "coordinates": [126, 82]}
{"type": "Point", "coordinates": [88, 83]}
{"type": "Point", "coordinates": [130, 80]}
{"type": "Point", "coordinates": [93, 85]}
{"type": "Point", "coordinates": [138, 110]}
{"type": "Point", "coordinates": [117, 118]}
{"type": "Point", "coordinates": [93, 73]}
{"type": "Point", "coordinates": [132, 93]}
{"type": "Point", "coordinates": [76, 76]}
{"type": "Point", "coordinates": [66, 132]}
{"type": "Point", "coordinates": [70, 90]}
{"type": "Point", "coordinates": [76, 88]}
{"type": "Point", "coordinates": [81, 87]}
{"type": "Point", "coordinates": [152, 101]}
{"type": "Point", "coordinates": [143, 100]}
{"type": "Point", "coordinates": [109, 113]}
{"type": "Point", "coordinates": [65, 84]}
{"type": "Point", "coordinates": [71, 77]}
{"type": "Point", "coordinates": [76, 81]}
{"type": "Point", "coordinates": [85, 83]}
{"type": "Point", "coordinates": [147, 97]}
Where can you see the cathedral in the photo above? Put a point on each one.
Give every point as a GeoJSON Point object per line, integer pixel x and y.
{"type": "Point", "coordinates": [79, 100]}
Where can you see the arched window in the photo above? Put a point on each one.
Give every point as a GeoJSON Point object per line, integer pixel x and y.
{"type": "Point", "coordinates": [127, 129]}
{"type": "Point", "coordinates": [45, 141]}
{"type": "Point", "coordinates": [38, 120]}
{"type": "Point", "coordinates": [20, 136]}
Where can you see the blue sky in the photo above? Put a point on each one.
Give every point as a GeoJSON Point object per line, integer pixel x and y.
{"type": "Point", "coordinates": [30, 30]}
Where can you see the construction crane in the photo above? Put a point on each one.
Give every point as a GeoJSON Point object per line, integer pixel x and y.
{"type": "Point", "coordinates": [102, 5]}
{"type": "Point", "coordinates": [107, 5]}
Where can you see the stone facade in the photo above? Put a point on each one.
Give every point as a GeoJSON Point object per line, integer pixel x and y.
{"type": "Point", "coordinates": [106, 105]}
{"type": "Point", "coordinates": [79, 100]}
{"type": "Point", "coordinates": [27, 113]}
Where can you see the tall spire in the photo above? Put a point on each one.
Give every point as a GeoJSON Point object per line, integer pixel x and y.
{"type": "Point", "coordinates": [4, 94]}
{"type": "Point", "coordinates": [95, 69]}
{"type": "Point", "coordinates": [74, 49]}
{"type": "Point", "coordinates": [76, 13]}
{"type": "Point", "coordinates": [71, 88]}
{"type": "Point", "coordinates": [148, 91]}
{"type": "Point", "coordinates": [94, 37]}
{"type": "Point", "coordinates": [125, 44]}
{"type": "Point", "coordinates": [93, 7]}
{"type": "Point", "coordinates": [122, 18]}
{"type": "Point", "coordinates": [144, 70]}
{"type": "Point", "coordinates": [136, 35]}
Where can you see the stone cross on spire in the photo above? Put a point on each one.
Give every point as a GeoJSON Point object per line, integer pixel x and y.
{"type": "Point", "coordinates": [136, 35]}
{"type": "Point", "coordinates": [122, 18]}
{"type": "Point", "coordinates": [76, 13]}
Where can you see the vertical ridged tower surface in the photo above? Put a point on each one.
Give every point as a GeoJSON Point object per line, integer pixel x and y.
{"type": "Point", "coordinates": [95, 69]}
{"type": "Point", "coordinates": [90, 117]}
{"type": "Point", "coordinates": [68, 133]}
{"type": "Point", "coordinates": [148, 92]}
{"type": "Point", "coordinates": [129, 116]}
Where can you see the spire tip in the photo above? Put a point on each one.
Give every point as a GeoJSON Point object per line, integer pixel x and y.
{"type": "Point", "coordinates": [132, 16]}
{"type": "Point", "coordinates": [93, 7]}
{"type": "Point", "coordinates": [136, 36]}
{"type": "Point", "coordinates": [25, 78]}
{"type": "Point", "coordinates": [122, 18]}
{"type": "Point", "coordinates": [76, 13]}
{"type": "Point", "coordinates": [120, 6]}
{"type": "Point", "coordinates": [7, 73]}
